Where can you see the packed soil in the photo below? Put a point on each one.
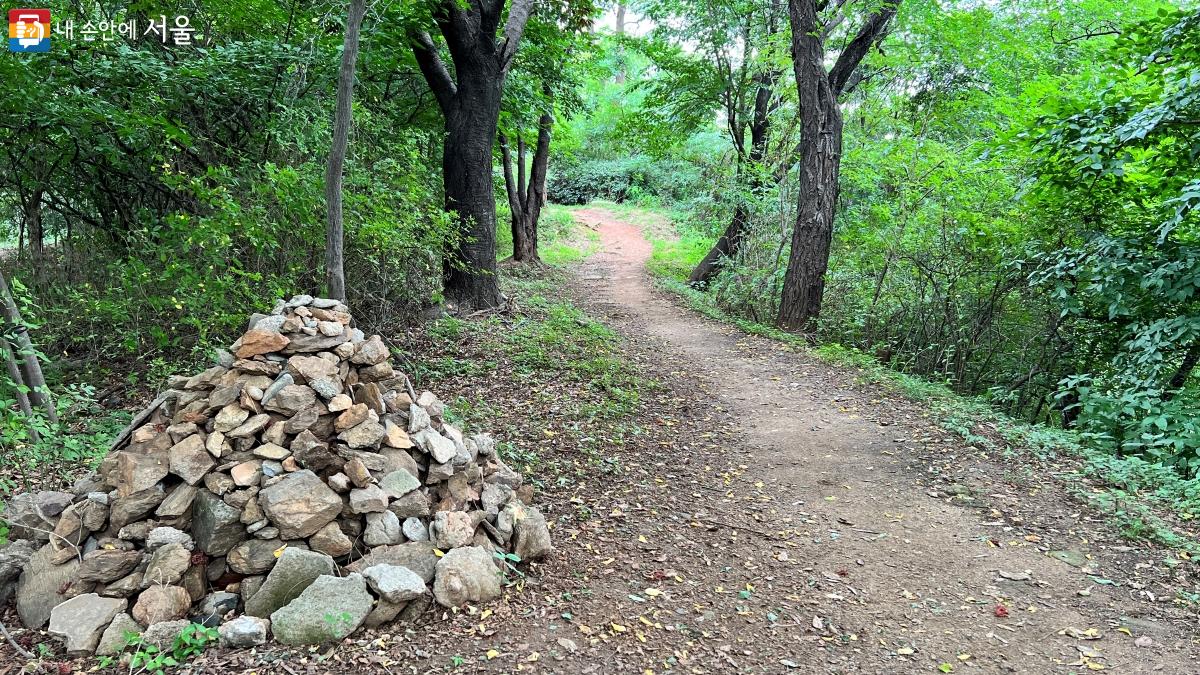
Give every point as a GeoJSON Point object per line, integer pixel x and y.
{"type": "Point", "coordinates": [769, 513]}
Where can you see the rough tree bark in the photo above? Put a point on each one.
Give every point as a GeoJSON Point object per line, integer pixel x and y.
{"type": "Point", "coordinates": [470, 104]}
{"type": "Point", "coordinates": [820, 150]}
{"type": "Point", "coordinates": [526, 199]}
{"type": "Point", "coordinates": [335, 272]}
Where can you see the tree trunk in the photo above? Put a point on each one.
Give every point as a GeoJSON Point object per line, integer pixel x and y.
{"type": "Point", "coordinates": [619, 78]}
{"type": "Point", "coordinates": [820, 165]}
{"type": "Point", "coordinates": [748, 169]}
{"type": "Point", "coordinates": [469, 267]}
{"type": "Point", "coordinates": [33, 223]}
{"type": "Point", "coordinates": [527, 197]}
{"type": "Point", "coordinates": [470, 104]}
{"type": "Point", "coordinates": [820, 152]}
{"type": "Point", "coordinates": [39, 395]}
{"type": "Point", "coordinates": [335, 273]}
{"type": "Point", "coordinates": [535, 197]}
{"type": "Point", "coordinates": [1191, 358]}
{"type": "Point", "coordinates": [19, 386]}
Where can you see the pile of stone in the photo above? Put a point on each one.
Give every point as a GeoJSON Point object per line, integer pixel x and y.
{"type": "Point", "coordinates": [299, 488]}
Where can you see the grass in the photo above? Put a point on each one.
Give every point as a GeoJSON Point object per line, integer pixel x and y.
{"type": "Point", "coordinates": [549, 373]}
{"type": "Point", "coordinates": [561, 240]}
{"type": "Point", "coordinates": [1133, 493]}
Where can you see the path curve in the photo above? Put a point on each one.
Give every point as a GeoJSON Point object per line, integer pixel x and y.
{"type": "Point", "coordinates": [921, 569]}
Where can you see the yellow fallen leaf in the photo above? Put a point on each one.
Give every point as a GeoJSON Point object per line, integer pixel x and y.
{"type": "Point", "coordinates": [533, 656]}
{"type": "Point", "coordinates": [642, 538]}
{"type": "Point", "coordinates": [279, 551]}
{"type": "Point", "coordinates": [653, 592]}
{"type": "Point", "coordinates": [646, 621]}
{"type": "Point", "coordinates": [619, 628]}
{"type": "Point", "coordinates": [486, 613]}
{"type": "Point", "coordinates": [439, 552]}
{"type": "Point", "coordinates": [492, 653]}
{"type": "Point", "coordinates": [964, 657]}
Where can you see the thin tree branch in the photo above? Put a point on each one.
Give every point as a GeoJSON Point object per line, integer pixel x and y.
{"type": "Point", "coordinates": [870, 33]}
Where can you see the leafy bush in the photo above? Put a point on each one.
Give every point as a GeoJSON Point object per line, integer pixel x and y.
{"type": "Point", "coordinates": [631, 179]}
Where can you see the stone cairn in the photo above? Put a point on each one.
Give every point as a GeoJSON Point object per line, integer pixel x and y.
{"type": "Point", "coordinates": [299, 488]}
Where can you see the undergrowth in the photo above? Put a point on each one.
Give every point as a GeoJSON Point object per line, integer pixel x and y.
{"type": "Point", "coordinates": [1130, 488]}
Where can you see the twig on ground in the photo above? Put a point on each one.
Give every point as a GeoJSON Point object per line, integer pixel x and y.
{"type": "Point", "coordinates": [20, 650]}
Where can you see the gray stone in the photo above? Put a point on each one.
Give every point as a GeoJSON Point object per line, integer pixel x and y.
{"type": "Point", "coordinates": [214, 607]}
{"type": "Point", "coordinates": [178, 503]}
{"type": "Point", "coordinates": [272, 451]}
{"type": "Point", "coordinates": [105, 565]}
{"type": "Point", "coordinates": [383, 612]}
{"type": "Point", "coordinates": [40, 587]}
{"type": "Point", "coordinates": [250, 427]}
{"type": "Point", "coordinates": [291, 399]}
{"type": "Point", "coordinates": [129, 508]}
{"type": "Point", "coordinates": [367, 434]}
{"type": "Point", "coordinates": [439, 447]}
{"type": "Point", "coordinates": [293, 572]}
{"type": "Point", "coordinates": [215, 524]}
{"type": "Point", "coordinates": [399, 483]}
{"type": "Point", "coordinates": [229, 418]}
{"type": "Point", "coordinates": [418, 419]}
{"type": "Point", "coordinates": [383, 529]}
{"type": "Point", "coordinates": [244, 632]}
{"type": "Point", "coordinates": [33, 515]}
{"type": "Point", "coordinates": [416, 556]}
{"type": "Point", "coordinates": [394, 583]}
{"type": "Point", "coordinates": [331, 540]}
{"type": "Point", "coordinates": [415, 503]}
{"type": "Point", "coordinates": [80, 621]}
{"type": "Point", "coordinates": [300, 504]}
{"type": "Point", "coordinates": [277, 386]}
{"type": "Point", "coordinates": [327, 611]}
{"type": "Point", "coordinates": [161, 536]}
{"type": "Point", "coordinates": [371, 499]}
{"type": "Point", "coordinates": [13, 557]}
{"type": "Point", "coordinates": [370, 352]}
{"type": "Point", "coordinates": [118, 634]}
{"type": "Point", "coordinates": [414, 529]}
{"type": "Point", "coordinates": [531, 535]}
{"type": "Point", "coordinates": [465, 575]}
{"type": "Point", "coordinates": [163, 633]}
{"type": "Point", "coordinates": [307, 344]}
{"type": "Point", "coordinates": [253, 556]}
{"type": "Point", "coordinates": [190, 460]}
{"type": "Point", "coordinates": [167, 565]}
{"type": "Point", "coordinates": [451, 529]}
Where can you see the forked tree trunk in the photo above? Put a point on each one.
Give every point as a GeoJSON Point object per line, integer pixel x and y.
{"type": "Point", "coordinates": [820, 151]}
{"type": "Point", "coordinates": [470, 104]}
{"type": "Point", "coordinates": [335, 272]}
{"type": "Point", "coordinates": [526, 198]}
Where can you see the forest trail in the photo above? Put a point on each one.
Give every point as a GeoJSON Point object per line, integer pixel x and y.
{"type": "Point", "coordinates": [931, 555]}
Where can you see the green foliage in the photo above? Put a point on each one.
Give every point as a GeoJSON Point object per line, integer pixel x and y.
{"type": "Point", "coordinates": [635, 179]}
{"type": "Point", "coordinates": [33, 449]}
{"type": "Point", "coordinates": [1124, 168]}
{"type": "Point", "coordinates": [147, 658]}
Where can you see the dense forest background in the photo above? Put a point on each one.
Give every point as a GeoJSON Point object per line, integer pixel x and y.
{"type": "Point", "coordinates": [1015, 213]}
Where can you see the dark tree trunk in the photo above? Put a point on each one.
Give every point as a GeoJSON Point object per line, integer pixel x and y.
{"type": "Point", "coordinates": [335, 273]}
{"type": "Point", "coordinates": [1191, 358]}
{"type": "Point", "coordinates": [820, 152]}
{"type": "Point", "coordinates": [469, 269]}
{"type": "Point", "coordinates": [526, 198]}
{"type": "Point", "coordinates": [33, 223]}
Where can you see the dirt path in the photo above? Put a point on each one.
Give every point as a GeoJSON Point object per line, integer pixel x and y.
{"type": "Point", "coordinates": [900, 569]}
